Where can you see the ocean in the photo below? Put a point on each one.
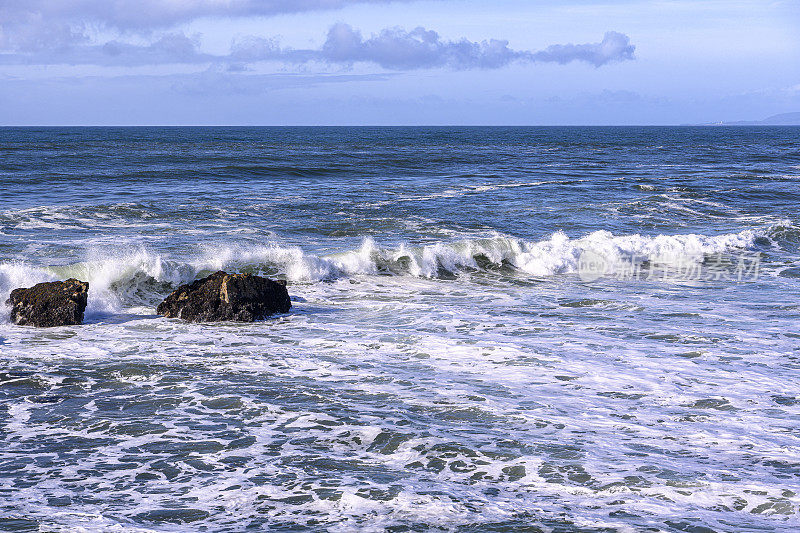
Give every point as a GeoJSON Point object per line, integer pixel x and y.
{"type": "Point", "coordinates": [493, 329]}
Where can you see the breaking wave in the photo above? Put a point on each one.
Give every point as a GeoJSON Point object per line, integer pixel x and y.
{"type": "Point", "coordinates": [142, 276]}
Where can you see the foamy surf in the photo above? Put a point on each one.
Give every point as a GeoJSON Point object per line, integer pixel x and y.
{"type": "Point", "coordinates": [447, 364]}
{"type": "Point", "coordinates": [140, 277]}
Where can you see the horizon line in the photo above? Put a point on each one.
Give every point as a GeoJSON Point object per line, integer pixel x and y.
{"type": "Point", "coordinates": [665, 125]}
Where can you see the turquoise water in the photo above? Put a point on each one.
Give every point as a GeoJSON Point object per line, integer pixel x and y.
{"type": "Point", "coordinates": [447, 363]}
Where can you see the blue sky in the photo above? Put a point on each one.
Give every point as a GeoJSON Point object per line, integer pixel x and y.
{"type": "Point", "coordinates": [277, 62]}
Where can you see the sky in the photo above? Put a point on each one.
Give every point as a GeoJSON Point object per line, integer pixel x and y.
{"type": "Point", "coordinates": [401, 62]}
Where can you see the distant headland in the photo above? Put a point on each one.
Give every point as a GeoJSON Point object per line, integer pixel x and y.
{"type": "Point", "coordinates": [782, 119]}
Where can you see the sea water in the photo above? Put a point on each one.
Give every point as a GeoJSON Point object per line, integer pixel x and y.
{"type": "Point", "coordinates": [447, 364]}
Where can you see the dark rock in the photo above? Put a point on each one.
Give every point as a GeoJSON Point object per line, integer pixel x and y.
{"type": "Point", "coordinates": [56, 303]}
{"type": "Point", "coordinates": [223, 296]}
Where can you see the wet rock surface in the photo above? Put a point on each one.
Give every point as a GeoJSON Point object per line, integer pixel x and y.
{"type": "Point", "coordinates": [50, 304]}
{"type": "Point", "coordinates": [222, 296]}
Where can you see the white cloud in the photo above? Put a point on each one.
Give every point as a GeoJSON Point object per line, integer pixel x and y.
{"type": "Point", "coordinates": [614, 47]}
{"type": "Point", "coordinates": [33, 25]}
{"type": "Point", "coordinates": [421, 48]}
{"type": "Point", "coordinates": [58, 32]}
{"type": "Point", "coordinates": [398, 49]}
{"type": "Point", "coordinates": [392, 49]}
{"type": "Point", "coordinates": [153, 14]}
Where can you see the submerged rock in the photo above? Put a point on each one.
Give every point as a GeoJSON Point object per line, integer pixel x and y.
{"type": "Point", "coordinates": [223, 296]}
{"type": "Point", "coordinates": [55, 303]}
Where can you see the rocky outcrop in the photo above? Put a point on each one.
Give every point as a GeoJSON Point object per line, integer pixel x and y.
{"type": "Point", "coordinates": [223, 296]}
{"type": "Point", "coordinates": [56, 303]}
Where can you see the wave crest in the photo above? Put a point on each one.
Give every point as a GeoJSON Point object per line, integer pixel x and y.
{"type": "Point", "coordinates": [143, 277]}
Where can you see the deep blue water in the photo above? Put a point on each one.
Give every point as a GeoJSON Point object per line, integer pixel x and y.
{"type": "Point", "coordinates": [448, 363]}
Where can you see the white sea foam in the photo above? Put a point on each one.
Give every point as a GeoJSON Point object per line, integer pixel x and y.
{"type": "Point", "coordinates": [140, 276]}
{"type": "Point", "coordinates": [556, 255]}
{"type": "Point", "coordinates": [468, 390]}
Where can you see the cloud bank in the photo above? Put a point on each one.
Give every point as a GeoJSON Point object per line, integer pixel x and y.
{"type": "Point", "coordinates": [30, 25]}
{"type": "Point", "coordinates": [614, 47]}
{"type": "Point", "coordinates": [58, 32]}
{"type": "Point", "coordinates": [391, 49]}
{"type": "Point", "coordinates": [421, 48]}
{"type": "Point", "coordinates": [398, 49]}
{"type": "Point", "coordinates": [141, 14]}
